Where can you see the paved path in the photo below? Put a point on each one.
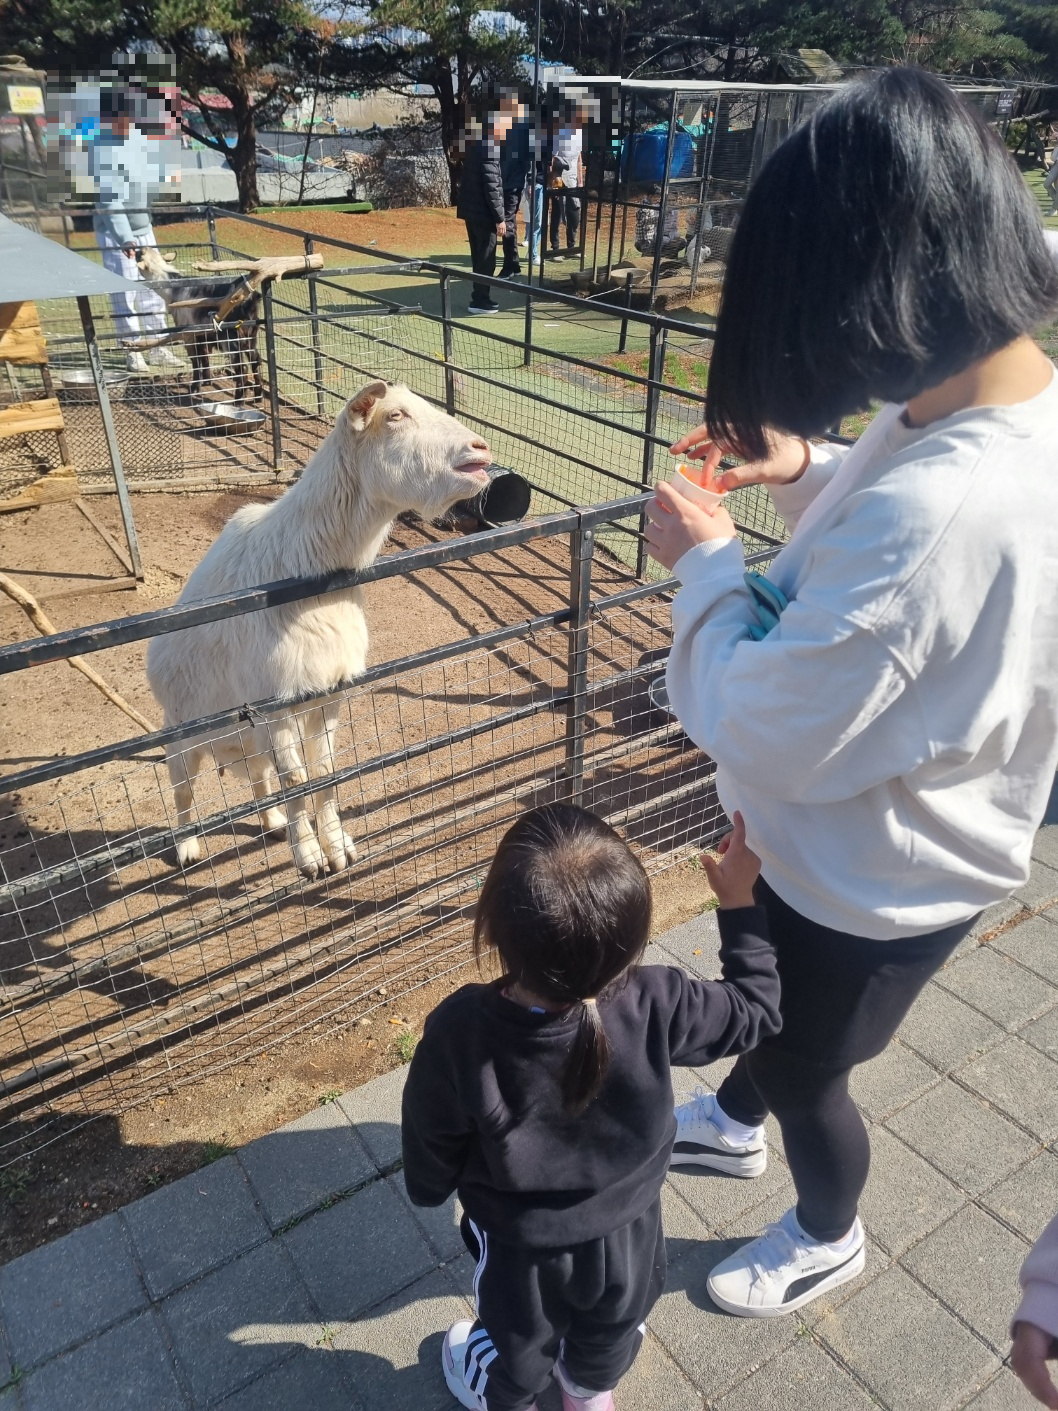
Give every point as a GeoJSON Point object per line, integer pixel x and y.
{"type": "Point", "coordinates": [295, 1275]}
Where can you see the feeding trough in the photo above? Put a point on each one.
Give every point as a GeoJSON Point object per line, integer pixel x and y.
{"type": "Point", "coordinates": [78, 385]}
{"type": "Point", "coordinates": [230, 417]}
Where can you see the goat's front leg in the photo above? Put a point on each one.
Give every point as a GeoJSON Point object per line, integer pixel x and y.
{"type": "Point", "coordinates": [264, 781]}
{"type": "Point", "coordinates": [338, 847]}
{"type": "Point", "coordinates": [255, 365]}
{"type": "Point", "coordinates": [185, 765]}
{"type": "Point", "coordinates": [285, 747]}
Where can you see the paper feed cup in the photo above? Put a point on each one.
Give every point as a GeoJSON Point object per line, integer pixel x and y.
{"type": "Point", "coordinates": [687, 480]}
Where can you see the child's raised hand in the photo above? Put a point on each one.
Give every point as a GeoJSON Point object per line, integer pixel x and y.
{"type": "Point", "coordinates": [733, 874]}
{"type": "Point", "coordinates": [1028, 1357]}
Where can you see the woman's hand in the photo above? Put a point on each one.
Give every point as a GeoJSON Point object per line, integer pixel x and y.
{"type": "Point", "coordinates": [1028, 1357]}
{"type": "Point", "coordinates": [788, 460]}
{"type": "Point", "coordinates": [675, 525]}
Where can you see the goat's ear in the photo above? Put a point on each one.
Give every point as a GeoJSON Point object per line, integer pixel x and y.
{"type": "Point", "coordinates": [359, 408]}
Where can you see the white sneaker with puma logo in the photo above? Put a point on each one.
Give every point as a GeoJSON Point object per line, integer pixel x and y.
{"type": "Point", "coordinates": [783, 1269]}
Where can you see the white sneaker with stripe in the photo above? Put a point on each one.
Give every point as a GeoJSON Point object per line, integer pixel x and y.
{"type": "Point", "coordinates": [783, 1269]}
{"type": "Point", "coordinates": [700, 1141]}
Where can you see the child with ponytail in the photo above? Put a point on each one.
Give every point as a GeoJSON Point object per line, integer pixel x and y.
{"type": "Point", "coordinates": [545, 1100]}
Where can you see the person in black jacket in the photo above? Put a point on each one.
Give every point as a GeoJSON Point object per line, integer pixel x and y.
{"type": "Point", "coordinates": [516, 159]}
{"type": "Point", "coordinates": [480, 203]}
{"type": "Point", "coordinates": [545, 1099]}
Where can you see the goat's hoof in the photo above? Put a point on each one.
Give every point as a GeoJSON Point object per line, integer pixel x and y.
{"type": "Point", "coordinates": [310, 861]}
{"type": "Point", "coordinates": [341, 857]}
{"type": "Point", "coordinates": [189, 852]}
{"type": "Point", "coordinates": [274, 820]}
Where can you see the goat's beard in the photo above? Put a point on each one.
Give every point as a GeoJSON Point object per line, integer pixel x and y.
{"type": "Point", "coordinates": [436, 507]}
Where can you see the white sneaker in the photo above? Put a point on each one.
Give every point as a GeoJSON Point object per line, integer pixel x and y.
{"type": "Point", "coordinates": [165, 357]}
{"type": "Point", "coordinates": [136, 362]}
{"type": "Point", "coordinates": [700, 1142]}
{"type": "Point", "coordinates": [783, 1269]}
{"type": "Point", "coordinates": [466, 1355]}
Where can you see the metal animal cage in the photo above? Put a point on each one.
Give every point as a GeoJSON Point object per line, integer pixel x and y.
{"type": "Point", "coordinates": [665, 186]}
{"type": "Point", "coordinates": [120, 974]}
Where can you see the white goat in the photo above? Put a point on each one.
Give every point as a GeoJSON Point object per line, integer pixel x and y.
{"type": "Point", "coordinates": [389, 451]}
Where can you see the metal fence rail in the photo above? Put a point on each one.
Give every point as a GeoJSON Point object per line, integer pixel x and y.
{"type": "Point", "coordinates": [576, 396]}
{"type": "Point", "coordinates": [120, 974]}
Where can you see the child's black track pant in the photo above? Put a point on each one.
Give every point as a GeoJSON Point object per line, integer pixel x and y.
{"type": "Point", "coordinates": [590, 1300]}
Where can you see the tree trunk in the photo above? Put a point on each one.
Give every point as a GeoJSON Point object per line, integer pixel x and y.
{"type": "Point", "coordinates": [450, 127]}
{"type": "Point", "coordinates": [617, 48]}
{"type": "Point", "coordinates": [244, 158]}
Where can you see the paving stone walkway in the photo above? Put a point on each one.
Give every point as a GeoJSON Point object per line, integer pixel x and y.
{"type": "Point", "coordinates": [295, 1274]}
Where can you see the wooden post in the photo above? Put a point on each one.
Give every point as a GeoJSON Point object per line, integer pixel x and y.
{"type": "Point", "coordinates": [314, 313]}
{"type": "Point", "coordinates": [273, 381]}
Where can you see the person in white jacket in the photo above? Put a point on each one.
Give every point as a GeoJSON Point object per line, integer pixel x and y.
{"type": "Point", "coordinates": [892, 740]}
{"type": "Point", "coordinates": [1035, 1329]}
{"type": "Point", "coordinates": [128, 170]}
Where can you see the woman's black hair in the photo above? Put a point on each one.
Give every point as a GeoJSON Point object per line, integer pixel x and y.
{"type": "Point", "coordinates": [566, 903]}
{"type": "Point", "coordinates": [889, 243]}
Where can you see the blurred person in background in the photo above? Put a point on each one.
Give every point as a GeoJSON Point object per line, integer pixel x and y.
{"type": "Point", "coordinates": [516, 161]}
{"type": "Point", "coordinates": [127, 171]}
{"type": "Point", "coordinates": [565, 176]}
{"type": "Point", "coordinates": [480, 205]}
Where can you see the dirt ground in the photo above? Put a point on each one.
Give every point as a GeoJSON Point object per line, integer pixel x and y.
{"type": "Point", "coordinates": [53, 710]}
{"type": "Point", "coordinates": [119, 1157]}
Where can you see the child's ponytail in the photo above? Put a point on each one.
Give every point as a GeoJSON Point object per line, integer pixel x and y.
{"type": "Point", "coordinates": [588, 1061]}
{"type": "Point", "coordinates": [567, 906]}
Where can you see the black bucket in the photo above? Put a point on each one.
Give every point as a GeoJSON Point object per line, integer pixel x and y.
{"type": "Point", "coordinates": [504, 500]}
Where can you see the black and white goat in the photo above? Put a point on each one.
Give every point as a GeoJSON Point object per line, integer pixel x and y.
{"type": "Point", "coordinates": [199, 305]}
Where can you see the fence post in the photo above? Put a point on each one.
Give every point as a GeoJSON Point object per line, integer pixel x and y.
{"type": "Point", "coordinates": [545, 222]}
{"type": "Point", "coordinates": [582, 550]}
{"type": "Point", "coordinates": [663, 205]}
{"type": "Point", "coordinates": [655, 372]}
{"type": "Point", "coordinates": [95, 362]}
{"type": "Point", "coordinates": [623, 341]}
{"type": "Point", "coordinates": [527, 353]}
{"type": "Point", "coordinates": [273, 381]}
{"type": "Point", "coordinates": [211, 221]}
{"type": "Point", "coordinates": [446, 333]}
{"type": "Point", "coordinates": [317, 361]}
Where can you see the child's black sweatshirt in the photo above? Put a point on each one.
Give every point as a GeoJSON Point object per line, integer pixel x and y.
{"type": "Point", "coordinates": [483, 1108]}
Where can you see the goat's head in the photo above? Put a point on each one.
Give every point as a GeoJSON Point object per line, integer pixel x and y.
{"type": "Point", "coordinates": [410, 455]}
{"type": "Point", "coordinates": [152, 263]}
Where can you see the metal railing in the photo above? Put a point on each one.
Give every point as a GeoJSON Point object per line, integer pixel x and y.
{"type": "Point", "coordinates": [121, 974]}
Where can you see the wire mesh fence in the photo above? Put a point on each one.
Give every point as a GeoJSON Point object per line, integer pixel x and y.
{"type": "Point", "coordinates": [122, 973]}
{"type": "Point", "coordinates": [579, 398]}
{"type": "Point", "coordinates": [575, 396]}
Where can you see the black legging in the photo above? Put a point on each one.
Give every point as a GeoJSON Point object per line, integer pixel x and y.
{"type": "Point", "coordinates": [843, 999]}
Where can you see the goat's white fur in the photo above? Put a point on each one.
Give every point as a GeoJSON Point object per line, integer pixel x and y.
{"type": "Point", "coordinates": [389, 451]}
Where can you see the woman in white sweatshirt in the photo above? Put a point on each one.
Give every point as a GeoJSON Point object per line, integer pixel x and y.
{"type": "Point", "coordinates": [892, 741]}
